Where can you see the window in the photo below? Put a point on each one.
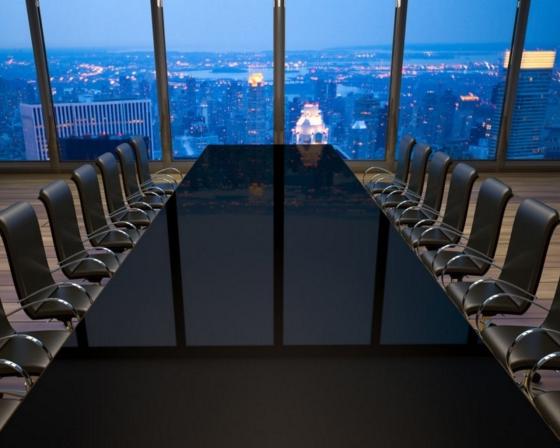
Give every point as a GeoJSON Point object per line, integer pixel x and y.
{"type": "Point", "coordinates": [535, 123]}
{"type": "Point", "coordinates": [454, 76]}
{"type": "Point", "coordinates": [101, 63]}
{"type": "Point", "coordinates": [338, 59]}
{"type": "Point", "coordinates": [18, 86]}
{"type": "Point", "coordinates": [220, 73]}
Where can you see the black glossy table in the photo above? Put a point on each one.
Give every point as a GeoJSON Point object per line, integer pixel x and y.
{"type": "Point", "coordinates": [270, 303]}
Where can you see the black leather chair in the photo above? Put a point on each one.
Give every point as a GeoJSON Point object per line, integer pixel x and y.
{"type": "Point", "coordinates": [520, 347]}
{"type": "Point", "coordinates": [75, 261]}
{"type": "Point", "coordinates": [153, 196]}
{"type": "Point", "coordinates": [473, 257]}
{"type": "Point", "coordinates": [411, 211]}
{"type": "Point", "coordinates": [100, 233]}
{"type": "Point", "coordinates": [415, 185]}
{"type": "Point", "coordinates": [33, 280]}
{"type": "Point", "coordinates": [161, 179]}
{"type": "Point", "coordinates": [27, 354]}
{"type": "Point", "coordinates": [380, 178]}
{"type": "Point", "coordinates": [547, 403]}
{"type": "Point", "coordinates": [119, 210]}
{"type": "Point", "coordinates": [532, 229]}
{"type": "Point", "coordinates": [435, 233]}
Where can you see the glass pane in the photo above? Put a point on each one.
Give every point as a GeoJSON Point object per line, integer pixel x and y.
{"type": "Point", "coordinates": [535, 125]}
{"type": "Point", "coordinates": [453, 74]}
{"type": "Point", "coordinates": [338, 58]}
{"type": "Point", "coordinates": [18, 88]}
{"type": "Point", "coordinates": [220, 73]}
{"type": "Point", "coordinates": [101, 63]}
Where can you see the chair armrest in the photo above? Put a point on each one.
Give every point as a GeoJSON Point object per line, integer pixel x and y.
{"type": "Point", "coordinates": [154, 188]}
{"type": "Point", "coordinates": [538, 366]}
{"type": "Point", "coordinates": [31, 339]}
{"type": "Point", "coordinates": [50, 299]}
{"type": "Point", "coordinates": [137, 204]}
{"type": "Point", "coordinates": [373, 169]}
{"type": "Point", "coordinates": [56, 285]}
{"type": "Point", "coordinates": [169, 168]}
{"type": "Point", "coordinates": [409, 202]}
{"type": "Point", "coordinates": [19, 370]}
{"type": "Point", "coordinates": [526, 333]}
{"type": "Point", "coordinates": [529, 298]}
{"type": "Point", "coordinates": [476, 255]}
{"type": "Point", "coordinates": [81, 260]}
{"type": "Point", "coordinates": [119, 231]}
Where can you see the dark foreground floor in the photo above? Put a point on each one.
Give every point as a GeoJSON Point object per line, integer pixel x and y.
{"type": "Point", "coordinates": [277, 402]}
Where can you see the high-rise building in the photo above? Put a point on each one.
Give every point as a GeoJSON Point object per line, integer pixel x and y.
{"type": "Point", "coordinates": [526, 136]}
{"type": "Point", "coordinates": [256, 116]}
{"type": "Point", "coordinates": [107, 118]}
{"type": "Point", "coordinates": [310, 127]}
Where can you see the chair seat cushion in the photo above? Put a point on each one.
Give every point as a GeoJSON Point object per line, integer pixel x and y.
{"type": "Point", "coordinates": [527, 352]}
{"type": "Point", "coordinates": [457, 268]}
{"type": "Point", "coordinates": [28, 355]}
{"type": "Point", "coordinates": [548, 404]}
{"type": "Point", "coordinates": [117, 241]}
{"type": "Point", "coordinates": [432, 240]}
{"type": "Point", "coordinates": [138, 218]}
{"type": "Point", "coordinates": [153, 202]}
{"type": "Point", "coordinates": [91, 270]}
{"type": "Point", "coordinates": [411, 217]}
{"type": "Point", "coordinates": [478, 294]}
{"type": "Point", "coordinates": [56, 310]}
{"type": "Point", "coordinates": [167, 187]}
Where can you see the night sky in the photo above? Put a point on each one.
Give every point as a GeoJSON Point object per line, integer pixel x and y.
{"type": "Point", "coordinates": [237, 25]}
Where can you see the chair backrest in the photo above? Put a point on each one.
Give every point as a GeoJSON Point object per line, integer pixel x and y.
{"type": "Point", "coordinates": [127, 161]}
{"type": "Point", "coordinates": [59, 203]}
{"type": "Point", "coordinates": [420, 155]}
{"type": "Point", "coordinates": [462, 180]}
{"type": "Point", "coordinates": [438, 166]}
{"type": "Point", "coordinates": [24, 246]}
{"type": "Point", "coordinates": [532, 230]}
{"type": "Point", "coordinates": [403, 158]}
{"type": "Point", "coordinates": [85, 178]}
{"type": "Point", "coordinates": [552, 320]}
{"type": "Point", "coordinates": [142, 161]}
{"type": "Point", "coordinates": [488, 216]}
{"type": "Point", "coordinates": [109, 168]}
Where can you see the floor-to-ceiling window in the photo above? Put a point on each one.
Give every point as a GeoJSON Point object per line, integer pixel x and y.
{"type": "Point", "coordinates": [219, 58]}
{"type": "Point", "coordinates": [101, 63]}
{"type": "Point", "coordinates": [535, 123]}
{"type": "Point", "coordinates": [454, 74]}
{"type": "Point", "coordinates": [338, 58]}
{"type": "Point", "coordinates": [19, 133]}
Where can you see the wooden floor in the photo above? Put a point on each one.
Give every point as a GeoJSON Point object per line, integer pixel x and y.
{"type": "Point", "coordinates": [545, 187]}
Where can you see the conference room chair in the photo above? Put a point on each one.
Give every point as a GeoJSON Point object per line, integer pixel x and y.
{"type": "Point", "coordinates": [433, 233]}
{"type": "Point", "coordinates": [75, 261]}
{"type": "Point", "coordinates": [547, 403]}
{"type": "Point", "coordinates": [520, 347]}
{"type": "Point", "coordinates": [162, 179]}
{"type": "Point", "coordinates": [153, 196]}
{"type": "Point", "coordinates": [411, 211]}
{"type": "Point", "coordinates": [136, 212]}
{"type": "Point", "coordinates": [26, 354]}
{"type": "Point", "coordinates": [520, 274]}
{"type": "Point", "coordinates": [117, 236]}
{"type": "Point", "coordinates": [39, 295]}
{"type": "Point", "coordinates": [382, 178]}
{"type": "Point", "coordinates": [415, 186]}
{"type": "Point", "coordinates": [473, 256]}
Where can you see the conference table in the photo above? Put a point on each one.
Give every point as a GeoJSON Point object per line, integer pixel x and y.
{"type": "Point", "coordinates": [271, 303]}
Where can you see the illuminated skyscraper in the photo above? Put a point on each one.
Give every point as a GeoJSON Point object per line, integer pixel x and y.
{"type": "Point", "coordinates": [107, 118]}
{"type": "Point", "coordinates": [526, 137]}
{"type": "Point", "coordinates": [310, 127]}
{"type": "Point", "coordinates": [256, 113]}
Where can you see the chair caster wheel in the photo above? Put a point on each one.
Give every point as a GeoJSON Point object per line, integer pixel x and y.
{"type": "Point", "coordinates": [537, 378]}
